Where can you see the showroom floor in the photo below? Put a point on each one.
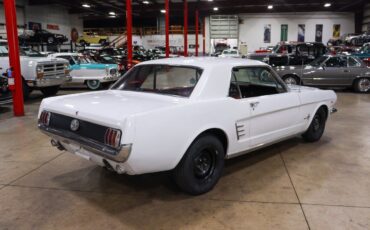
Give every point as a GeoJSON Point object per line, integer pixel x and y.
{"type": "Point", "coordinates": [291, 185]}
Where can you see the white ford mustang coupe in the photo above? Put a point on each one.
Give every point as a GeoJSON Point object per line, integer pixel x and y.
{"type": "Point", "coordinates": [186, 115]}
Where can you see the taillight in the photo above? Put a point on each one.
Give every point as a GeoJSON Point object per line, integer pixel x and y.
{"type": "Point", "coordinates": [112, 137]}
{"type": "Point", "coordinates": [45, 118]}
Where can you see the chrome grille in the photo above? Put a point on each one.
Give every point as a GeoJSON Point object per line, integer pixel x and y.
{"type": "Point", "coordinates": [53, 70]}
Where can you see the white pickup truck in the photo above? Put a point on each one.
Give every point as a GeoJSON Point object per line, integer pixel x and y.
{"type": "Point", "coordinates": [38, 71]}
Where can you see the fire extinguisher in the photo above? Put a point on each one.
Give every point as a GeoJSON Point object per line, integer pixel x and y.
{"type": "Point", "coordinates": [11, 82]}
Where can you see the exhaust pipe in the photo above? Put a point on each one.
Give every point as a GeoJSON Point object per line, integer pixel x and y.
{"type": "Point", "coordinates": [56, 144]}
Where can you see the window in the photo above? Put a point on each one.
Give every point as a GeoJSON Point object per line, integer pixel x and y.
{"type": "Point", "coordinates": [352, 62]}
{"type": "Point", "coordinates": [161, 79]}
{"type": "Point", "coordinates": [336, 62]}
{"type": "Point", "coordinates": [249, 82]}
{"type": "Point", "coordinates": [68, 58]}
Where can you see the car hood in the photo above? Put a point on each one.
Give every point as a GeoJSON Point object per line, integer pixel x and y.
{"type": "Point", "coordinates": [42, 59]}
{"type": "Point", "coordinates": [109, 107]}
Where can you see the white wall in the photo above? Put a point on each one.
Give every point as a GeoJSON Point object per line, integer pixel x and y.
{"type": "Point", "coordinates": [151, 41]}
{"type": "Point", "coordinates": [57, 15]}
{"type": "Point", "coordinates": [252, 29]}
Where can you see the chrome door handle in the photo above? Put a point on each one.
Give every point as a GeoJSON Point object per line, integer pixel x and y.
{"type": "Point", "coordinates": [254, 104]}
{"type": "Point", "coordinates": [346, 71]}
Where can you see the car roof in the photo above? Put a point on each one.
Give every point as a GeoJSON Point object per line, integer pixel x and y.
{"type": "Point", "coordinates": [206, 62]}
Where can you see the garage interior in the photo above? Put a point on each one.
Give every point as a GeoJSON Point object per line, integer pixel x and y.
{"type": "Point", "coordinates": [288, 185]}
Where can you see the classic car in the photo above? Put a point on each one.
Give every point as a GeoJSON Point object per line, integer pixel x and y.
{"type": "Point", "coordinates": [291, 53]}
{"type": "Point", "coordinates": [43, 36]}
{"type": "Point", "coordinates": [230, 53]}
{"type": "Point", "coordinates": [5, 94]}
{"type": "Point", "coordinates": [92, 38]}
{"type": "Point", "coordinates": [84, 70]}
{"type": "Point", "coordinates": [186, 115]}
{"type": "Point", "coordinates": [364, 53]}
{"type": "Point", "coordinates": [329, 71]}
{"type": "Point", "coordinates": [38, 72]}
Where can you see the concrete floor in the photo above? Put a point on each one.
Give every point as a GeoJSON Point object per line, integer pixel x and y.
{"type": "Point", "coordinates": [291, 185]}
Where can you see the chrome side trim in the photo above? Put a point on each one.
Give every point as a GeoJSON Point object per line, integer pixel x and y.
{"type": "Point", "coordinates": [119, 155]}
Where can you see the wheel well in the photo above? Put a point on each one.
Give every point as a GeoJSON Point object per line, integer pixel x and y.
{"type": "Point", "coordinates": [220, 134]}
{"type": "Point", "coordinates": [358, 78]}
{"type": "Point", "coordinates": [326, 109]}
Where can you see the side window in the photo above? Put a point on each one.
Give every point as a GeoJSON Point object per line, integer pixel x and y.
{"type": "Point", "coordinates": [68, 58]}
{"type": "Point", "coordinates": [338, 62]}
{"type": "Point", "coordinates": [249, 82]}
{"type": "Point", "coordinates": [353, 62]}
{"type": "Point", "coordinates": [302, 50]}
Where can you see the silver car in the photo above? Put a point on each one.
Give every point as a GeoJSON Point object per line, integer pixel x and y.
{"type": "Point", "coordinates": [329, 71]}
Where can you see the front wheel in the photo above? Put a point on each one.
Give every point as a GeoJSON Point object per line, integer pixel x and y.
{"type": "Point", "coordinates": [93, 84]}
{"type": "Point", "coordinates": [202, 166]}
{"type": "Point", "coordinates": [362, 85]}
{"type": "Point", "coordinates": [317, 127]}
{"type": "Point", "coordinates": [291, 80]}
{"type": "Point", "coordinates": [50, 91]}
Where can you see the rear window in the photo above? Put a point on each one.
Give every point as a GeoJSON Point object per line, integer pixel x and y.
{"type": "Point", "coordinates": [161, 79]}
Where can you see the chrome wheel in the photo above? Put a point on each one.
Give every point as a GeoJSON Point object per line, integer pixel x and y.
{"type": "Point", "coordinates": [93, 84]}
{"type": "Point", "coordinates": [364, 85]}
{"type": "Point", "coordinates": [291, 81]}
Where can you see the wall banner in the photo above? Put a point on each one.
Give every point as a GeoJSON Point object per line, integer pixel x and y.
{"type": "Point", "coordinates": [267, 34]}
{"type": "Point", "coordinates": [301, 32]}
{"type": "Point", "coordinates": [318, 34]}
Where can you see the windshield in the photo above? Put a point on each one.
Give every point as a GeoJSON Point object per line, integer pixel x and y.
{"type": "Point", "coordinates": [161, 79]}
{"type": "Point", "coordinates": [318, 61]}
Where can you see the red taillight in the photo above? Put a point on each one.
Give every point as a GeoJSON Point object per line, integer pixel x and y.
{"type": "Point", "coordinates": [112, 137]}
{"type": "Point", "coordinates": [45, 118]}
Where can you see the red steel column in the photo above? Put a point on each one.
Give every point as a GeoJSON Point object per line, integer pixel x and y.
{"type": "Point", "coordinates": [196, 32]}
{"type": "Point", "coordinates": [12, 33]}
{"type": "Point", "coordinates": [167, 8]}
{"type": "Point", "coordinates": [204, 36]}
{"type": "Point", "coordinates": [129, 32]}
{"type": "Point", "coordinates": [185, 28]}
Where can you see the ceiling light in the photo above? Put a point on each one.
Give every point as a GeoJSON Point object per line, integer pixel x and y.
{"type": "Point", "coordinates": [112, 13]}
{"type": "Point", "coordinates": [86, 5]}
{"type": "Point", "coordinates": [112, 16]}
{"type": "Point", "coordinates": [210, 0]}
{"type": "Point", "coordinates": [327, 5]}
{"type": "Point", "coordinates": [215, 8]}
{"type": "Point", "coordinates": [163, 11]}
{"type": "Point", "coordinates": [270, 7]}
{"type": "Point", "coordinates": [146, 2]}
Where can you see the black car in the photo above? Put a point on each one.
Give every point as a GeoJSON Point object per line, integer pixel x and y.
{"type": "Point", "coordinates": [43, 36]}
{"type": "Point", "coordinates": [285, 54]}
{"type": "Point", "coordinates": [5, 94]}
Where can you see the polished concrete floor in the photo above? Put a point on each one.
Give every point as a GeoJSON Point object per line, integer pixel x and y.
{"type": "Point", "coordinates": [291, 185]}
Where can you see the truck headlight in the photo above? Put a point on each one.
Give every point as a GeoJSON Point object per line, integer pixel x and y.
{"type": "Point", "coordinates": [39, 72]}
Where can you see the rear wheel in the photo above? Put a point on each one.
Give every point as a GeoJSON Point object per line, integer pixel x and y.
{"type": "Point", "coordinates": [93, 84]}
{"type": "Point", "coordinates": [317, 126]}
{"type": "Point", "coordinates": [202, 166]}
{"type": "Point", "coordinates": [291, 80]}
{"type": "Point", "coordinates": [362, 85]}
{"type": "Point", "coordinates": [50, 91]}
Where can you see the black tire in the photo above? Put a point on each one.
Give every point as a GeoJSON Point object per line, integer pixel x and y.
{"type": "Point", "coordinates": [50, 91]}
{"type": "Point", "coordinates": [201, 167]}
{"type": "Point", "coordinates": [317, 126]}
{"type": "Point", "coordinates": [26, 90]}
{"type": "Point", "coordinates": [291, 80]}
{"type": "Point", "coordinates": [93, 84]}
{"type": "Point", "coordinates": [50, 40]}
{"type": "Point", "coordinates": [102, 42]}
{"type": "Point", "coordinates": [362, 85]}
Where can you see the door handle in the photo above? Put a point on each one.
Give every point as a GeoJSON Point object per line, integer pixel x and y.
{"type": "Point", "coordinates": [346, 71]}
{"type": "Point", "coordinates": [254, 104]}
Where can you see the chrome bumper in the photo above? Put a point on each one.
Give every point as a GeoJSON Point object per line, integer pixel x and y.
{"type": "Point", "coordinates": [46, 82]}
{"type": "Point", "coordinates": [119, 155]}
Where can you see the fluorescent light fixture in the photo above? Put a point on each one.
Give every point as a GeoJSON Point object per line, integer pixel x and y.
{"type": "Point", "coordinates": [270, 7]}
{"type": "Point", "coordinates": [112, 13]}
{"type": "Point", "coordinates": [210, 0]}
{"type": "Point", "coordinates": [215, 8]}
{"type": "Point", "coordinates": [146, 2]}
{"type": "Point", "coordinates": [163, 11]}
{"type": "Point", "coordinates": [85, 5]}
{"type": "Point", "coordinates": [327, 5]}
{"type": "Point", "coordinates": [112, 16]}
